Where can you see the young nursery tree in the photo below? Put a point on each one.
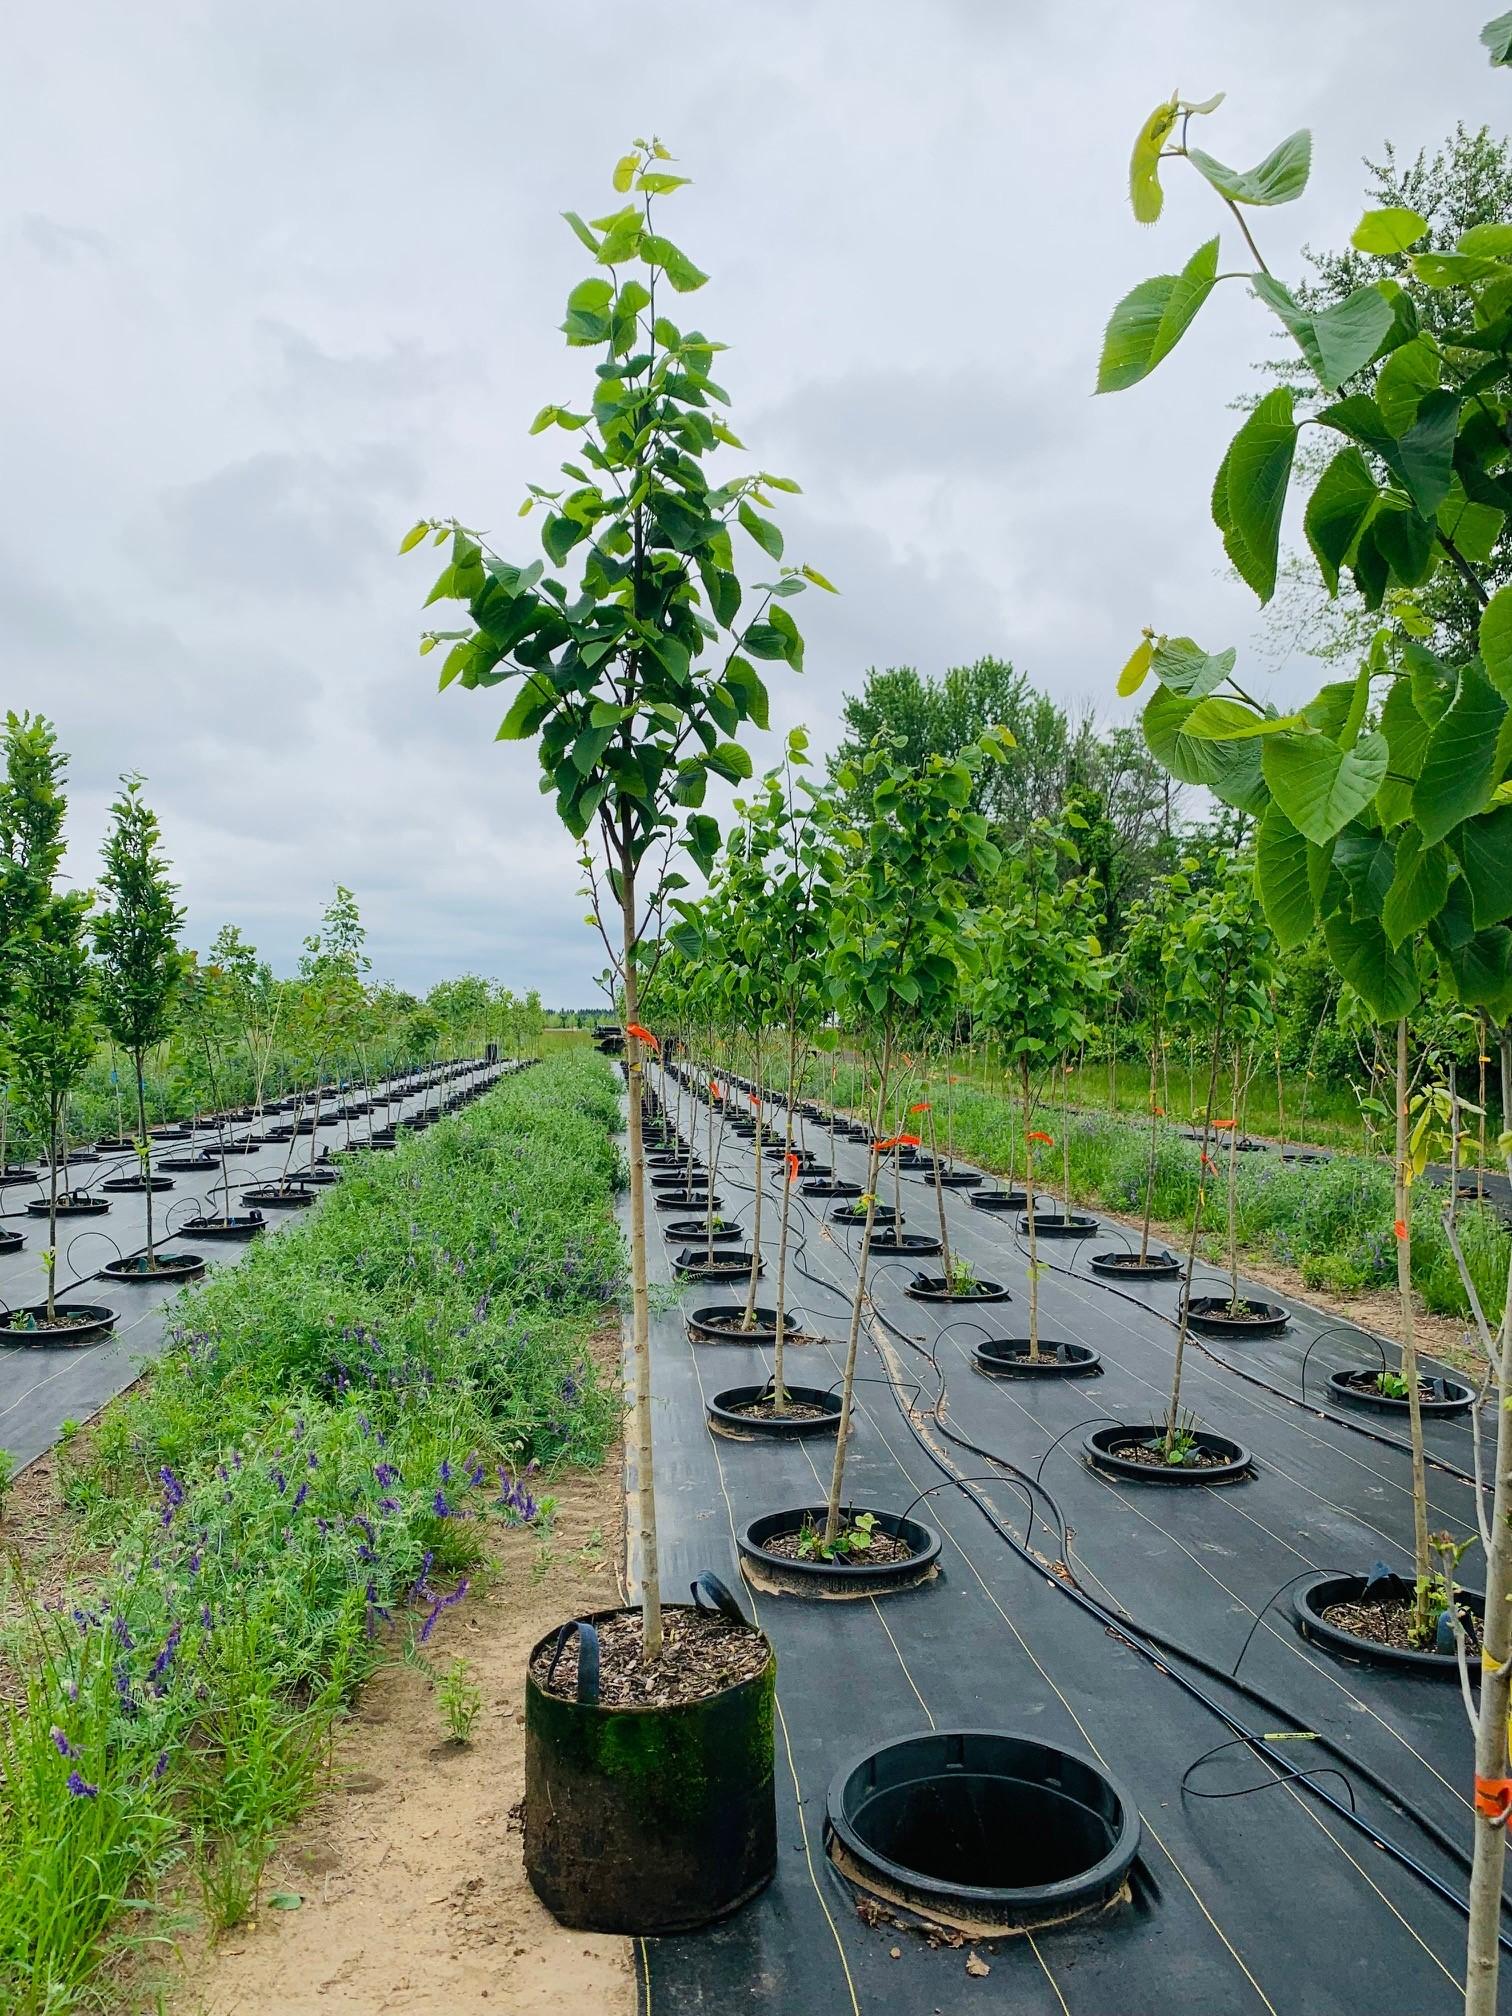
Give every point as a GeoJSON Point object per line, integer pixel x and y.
{"type": "Point", "coordinates": [52, 1030]}
{"type": "Point", "coordinates": [1382, 803]}
{"type": "Point", "coordinates": [1040, 975]}
{"type": "Point", "coordinates": [31, 846]}
{"type": "Point", "coordinates": [634, 669]}
{"type": "Point", "coordinates": [139, 969]}
{"type": "Point", "coordinates": [896, 947]}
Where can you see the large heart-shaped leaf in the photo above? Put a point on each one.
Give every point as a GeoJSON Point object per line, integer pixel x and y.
{"type": "Point", "coordinates": [1319, 786]}
{"type": "Point", "coordinates": [1383, 977]}
{"type": "Point", "coordinates": [1249, 493]}
{"type": "Point", "coordinates": [1186, 668]}
{"type": "Point", "coordinates": [1148, 323]}
{"type": "Point", "coordinates": [1420, 882]}
{"type": "Point", "coordinates": [1459, 763]}
{"type": "Point", "coordinates": [1338, 510]}
{"type": "Point", "coordinates": [1279, 178]}
{"type": "Point", "coordinates": [1281, 874]}
{"type": "Point", "coordinates": [1484, 847]}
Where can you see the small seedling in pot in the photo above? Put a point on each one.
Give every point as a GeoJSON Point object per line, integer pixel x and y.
{"type": "Point", "coordinates": [460, 1700]}
{"type": "Point", "coordinates": [1392, 1385]}
{"type": "Point", "coordinates": [854, 1538]}
{"type": "Point", "coordinates": [963, 1278]}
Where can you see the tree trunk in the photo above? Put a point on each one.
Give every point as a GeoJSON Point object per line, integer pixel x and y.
{"type": "Point", "coordinates": [1149, 1198]}
{"type": "Point", "coordinates": [1029, 1198]}
{"type": "Point", "coordinates": [1422, 1562]}
{"type": "Point", "coordinates": [758, 1148]}
{"type": "Point", "coordinates": [640, 1319]}
{"type": "Point", "coordinates": [144, 1154]}
{"type": "Point", "coordinates": [779, 1389]}
{"type": "Point", "coordinates": [848, 1383]}
{"type": "Point", "coordinates": [1483, 1953]}
{"type": "Point", "coordinates": [1233, 1194]}
{"type": "Point", "coordinates": [939, 1190]}
{"type": "Point", "coordinates": [1173, 1407]}
{"type": "Point", "coordinates": [52, 1208]}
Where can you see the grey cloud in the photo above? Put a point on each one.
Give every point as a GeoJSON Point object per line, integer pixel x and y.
{"type": "Point", "coordinates": [62, 244]}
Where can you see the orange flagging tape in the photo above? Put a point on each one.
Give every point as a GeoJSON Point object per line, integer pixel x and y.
{"type": "Point", "coordinates": [1493, 1798]}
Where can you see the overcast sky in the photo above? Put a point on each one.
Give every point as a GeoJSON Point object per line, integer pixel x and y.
{"type": "Point", "coordinates": [280, 279]}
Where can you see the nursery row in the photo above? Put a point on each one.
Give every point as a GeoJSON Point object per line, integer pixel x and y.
{"type": "Point", "coordinates": [319, 1455]}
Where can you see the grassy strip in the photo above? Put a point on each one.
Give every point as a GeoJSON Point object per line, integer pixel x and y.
{"type": "Point", "coordinates": [1331, 1221]}
{"type": "Point", "coordinates": [337, 1419]}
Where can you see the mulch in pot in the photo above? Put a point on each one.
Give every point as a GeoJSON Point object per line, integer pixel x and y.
{"type": "Point", "coordinates": [703, 1653]}
{"type": "Point", "coordinates": [884, 1547]}
{"type": "Point", "coordinates": [1137, 1450]}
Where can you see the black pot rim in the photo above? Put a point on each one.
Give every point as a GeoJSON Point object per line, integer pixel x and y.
{"type": "Point", "coordinates": [100, 1322]}
{"type": "Point", "coordinates": [1060, 1224]}
{"type": "Point", "coordinates": [1209, 1323]}
{"type": "Point", "coordinates": [984, 1291]}
{"type": "Point", "coordinates": [613, 1708]}
{"type": "Point", "coordinates": [725, 1266]}
{"type": "Point", "coordinates": [1239, 1465]}
{"type": "Point", "coordinates": [765, 1330]}
{"type": "Point", "coordinates": [839, 1578]}
{"type": "Point", "coordinates": [993, 1362]}
{"type": "Point", "coordinates": [723, 1410]}
{"type": "Point", "coordinates": [1160, 1266]}
{"type": "Point", "coordinates": [999, 1200]}
{"type": "Point", "coordinates": [688, 1231]}
{"type": "Point", "coordinates": [1460, 1401]}
{"type": "Point", "coordinates": [87, 1207]}
{"type": "Point", "coordinates": [1311, 1597]}
{"type": "Point", "coordinates": [168, 1267]}
{"type": "Point", "coordinates": [1031, 1904]}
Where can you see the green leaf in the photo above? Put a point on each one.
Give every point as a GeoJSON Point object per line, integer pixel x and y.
{"type": "Point", "coordinates": [678, 267]}
{"type": "Point", "coordinates": [1338, 341]}
{"type": "Point", "coordinates": [731, 761]}
{"type": "Point", "coordinates": [1492, 240]}
{"type": "Point", "coordinates": [1220, 720]}
{"type": "Point", "coordinates": [1481, 970]}
{"type": "Point", "coordinates": [1319, 786]}
{"type": "Point", "coordinates": [1365, 864]}
{"type": "Point", "coordinates": [1406, 542]}
{"type": "Point", "coordinates": [1497, 36]}
{"type": "Point", "coordinates": [534, 701]}
{"type": "Point", "coordinates": [593, 295]}
{"type": "Point", "coordinates": [1186, 668]}
{"type": "Point", "coordinates": [1419, 884]}
{"type": "Point", "coordinates": [624, 172]}
{"type": "Point", "coordinates": [1341, 505]}
{"type": "Point", "coordinates": [653, 183]}
{"type": "Point", "coordinates": [1404, 381]}
{"type": "Point", "coordinates": [1250, 492]}
{"type": "Point", "coordinates": [745, 683]}
{"type": "Point", "coordinates": [1406, 735]}
{"type": "Point", "coordinates": [584, 235]}
{"type": "Point", "coordinates": [1384, 978]}
{"type": "Point", "coordinates": [559, 535]}
{"type": "Point", "coordinates": [1427, 450]}
{"type": "Point", "coordinates": [1229, 769]}
{"type": "Point", "coordinates": [813, 574]}
{"type": "Point", "coordinates": [766, 534]}
{"type": "Point", "coordinates": [1484, 847]}
{"type": "Point", "coordinates": [1144, 166]}
{"type": "Point", "coordinates": [285, 1900]}
{"type": "Point", "coordinates": [1496, 641]}
{"type": "Point", "coordinates": [1281, 874]}
{"type": "Point", "coordinates": [414, 535]}
{"type": "Point", "coordinates": [1136, 668]}
{"type": "Point", "coordinates": [1279, 178]}
{"type": "Point", "coordinates": [1149, 322]}
{"type": "Point", "coordinates": [1459, 764]}
{"type": "Point", "coordinates": [1384, 232]}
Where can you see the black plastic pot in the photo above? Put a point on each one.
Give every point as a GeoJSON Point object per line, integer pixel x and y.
{"type": "Point", "coordinates": [71, 1204]}
{"type": "Point", "coordinates": [1212, 1316]}
{"type": "Point", "coordinates": [1161, 1266]}
{"type": "Point", "coordinates": [832, 1581]}
{"type": "Point", "coordinates": [17, 1172]}
{"type": "Point", "coordinates": [935, 1288]}
{"type": "Point", "coordinates": [170, 1133]}
{"type": "Point", "coordinates": [169, 1267]}
{"type": "Point", "coordinates": [1449, 1396]}
{"type": "Point", "coordinates": [851, 1214]}
{"type": "Point", "coordinates": [680, 1178]}
{"type": "Point", "coordinates": [725, 1417]}
{"type": "Point", "coordinates": [11, 1242]}
{"type": "Point", "coordinates": [704, 1324]}
{"type": "Point", "coordinates": [999, 1200]}
{"type": "Point", "coordinates": [199, 1161]}
{"type": "Point", "coordinates": [1320, 1592]}
{"type": "Point", "coordinates": [319, 1179]}
{"type": "Point", "coordinates": [648, 1820]}
{"type": "Point", "coordinates": [686, 1200]}
{"type": "Point", "coordinates": [116, 1144]}
{"type": "Point", "coordinates": [1008, 1358]}
{"type": "Point", "coordinates": [828, 1186]}
{"type": "Point", "coordinates": [90, 1322]}
{"type": "Point", "coordinates": [278, 1197]}
{"type": "Point", "coordinates": [888, 1243]}
{"type": "Point", "coordinates": [230, 1225]}
{"type": "Point", "coordinates": [1101, 1450]}
{"type": "Point", "coordinates": [137, 1186]}
{"type": "Point", "coordinates": [1059, 1224]}
{"type": "Point", "coordinates": [981, 1830]}
{"type": "Point", "coordinates": [691, 1231]}
{"type": "Point", "coordinates": [731, 1263]}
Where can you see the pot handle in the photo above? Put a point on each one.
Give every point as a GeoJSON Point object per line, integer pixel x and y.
{"type": "Point", "coordinates": [588, 1660]}
{"type": "Point", "coordinates": [720, 1600]}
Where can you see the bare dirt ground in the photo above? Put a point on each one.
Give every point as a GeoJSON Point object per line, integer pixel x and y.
{"type": "Point", "coordinates": [409, 1868]}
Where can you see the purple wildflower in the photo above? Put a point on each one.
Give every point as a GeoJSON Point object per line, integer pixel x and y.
{"type": "Point", "coordinates": [441, 1603]}
{"type": "Point", "coordinates": [385, 1474]}
{"type": "Point", "coordinates": [165, 1658]}
{"type": "Point", "coordinates": [61, 1743]}
{"type": "Point", "coordinates": [440, 1507]}
{"type": "Point", "coordinates": [280, 1481]}
{"type": "Point", "coordinates": [80, 1788]}
{"type": "Point", "coordinates": [388, 1504]}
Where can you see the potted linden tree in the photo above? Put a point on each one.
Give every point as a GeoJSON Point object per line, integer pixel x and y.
{"type": "Point", "coordinates": [629, 642]}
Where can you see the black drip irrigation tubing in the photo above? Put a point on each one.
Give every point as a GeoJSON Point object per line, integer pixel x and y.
{"type": "Point", "coordinates": [1149, 1644]}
